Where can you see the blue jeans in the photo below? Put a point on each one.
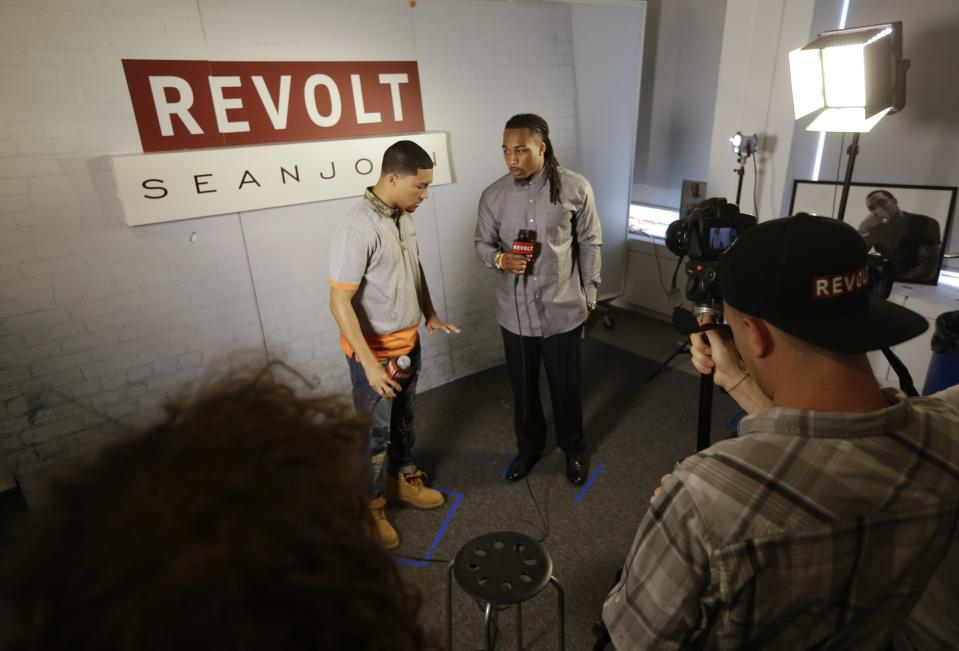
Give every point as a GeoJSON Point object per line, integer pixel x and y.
{"type": "Point", "coordinates": [391, 422]}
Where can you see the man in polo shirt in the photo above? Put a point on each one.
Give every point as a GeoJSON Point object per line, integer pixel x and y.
{"type": "Point", "coordinates": [820, 525]}
{"type": "Point", "coordinates": [542, 300]}
{"type": "Point", "coordinates": [378, 293]}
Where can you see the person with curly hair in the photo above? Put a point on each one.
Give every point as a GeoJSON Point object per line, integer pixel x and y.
{"type": "Point", "coordinates": [239, 521]}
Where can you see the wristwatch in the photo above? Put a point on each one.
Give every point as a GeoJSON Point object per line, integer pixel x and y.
{"type": "Point", "coordinates": [590, 305]}
{"type": "Point", "coordinates": [498, 261]}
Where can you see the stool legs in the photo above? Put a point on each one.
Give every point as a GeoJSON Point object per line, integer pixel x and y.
{"type": "Point", "coordinates": [449, 608]}
{"type": "Point", "coordinates": [488, 619]}
{"type": "Point", "coordinates": [519, 627]}
{"type": "Point", "coordinates": [561, 604]}
{"type": "Point", "coordinates": [488, 626]}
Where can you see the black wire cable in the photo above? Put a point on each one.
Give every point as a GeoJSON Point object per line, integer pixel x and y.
{"type": "Point", "coordinates": [679, 262]}
{"type": "Point", "coordinates": [543, 518]}
{"type": "Point", "coordinates": [544, 513]}
{"type": "Point", "coordinates": [755, 183]}
{"type": "Point", "coordinates": [835, 189]}
{"type": "Point", "coordinates": [522, 348]}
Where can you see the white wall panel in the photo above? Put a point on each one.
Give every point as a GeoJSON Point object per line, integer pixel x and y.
{"type": "Point", "coordinates": [113, 318]}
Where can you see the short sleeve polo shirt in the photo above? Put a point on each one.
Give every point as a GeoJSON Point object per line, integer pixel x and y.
{"type": "Point", "coordinates": [374, 251]}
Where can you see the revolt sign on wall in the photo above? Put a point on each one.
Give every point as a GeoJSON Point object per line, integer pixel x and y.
{"type": "Point", "coordinates": [169, 186]}
{"type": "Point", "coordinates": [198, 104]}
{"type": "Point", "coordinates": [320, 130]}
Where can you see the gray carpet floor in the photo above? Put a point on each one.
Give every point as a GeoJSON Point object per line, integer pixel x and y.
{"type": "Point", "coordinates": [635, 432]}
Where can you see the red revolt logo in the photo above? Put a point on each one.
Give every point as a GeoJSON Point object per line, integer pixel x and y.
{"type": "Point", "coordinates": [524, 248]}
{"type": "Point", "coordinates": [200, 104]}
{"type": "Point", "coordinates": [837, 285]}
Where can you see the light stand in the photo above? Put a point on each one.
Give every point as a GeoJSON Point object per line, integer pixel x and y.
{"type": "Point", "coordinates": [852, 78]}
{"type": "Point", "coordinates": [743, 147]}
{"type": "Point", "coordinates": [905, 378]}
{"type": "Point", "coordinates": [851, 152]}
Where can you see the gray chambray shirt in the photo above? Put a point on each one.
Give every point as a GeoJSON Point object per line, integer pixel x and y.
{"type": "Point", "coordinates": [551, 297]}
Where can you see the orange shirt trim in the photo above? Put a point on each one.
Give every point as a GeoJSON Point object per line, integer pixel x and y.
{"type": "Point", "coordinates": [394, 344]}
{"type": "Point", "coordinates": [343, 286]}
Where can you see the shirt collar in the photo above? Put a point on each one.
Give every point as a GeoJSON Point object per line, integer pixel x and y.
{"type": "Point", "coordinates": [380, 207]}
{"type": "Point", "coordinates": [534, 182]}
{"type": "Point", "coordinates": [784, 421]}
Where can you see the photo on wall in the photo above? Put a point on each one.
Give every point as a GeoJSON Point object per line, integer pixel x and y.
{"type": "Point", "coordinates": [907, 224]}
{"type": "Point", "coordinates": [693, 192]}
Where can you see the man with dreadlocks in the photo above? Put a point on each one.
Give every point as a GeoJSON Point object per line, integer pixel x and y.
{"type": "Point", "coordinates": [541, 300]}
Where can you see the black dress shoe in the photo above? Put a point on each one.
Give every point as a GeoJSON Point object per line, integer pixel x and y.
{"type": "Point", "coordinates": [576, 469]}
{"type": "Point", "coordinates": [520, 467]}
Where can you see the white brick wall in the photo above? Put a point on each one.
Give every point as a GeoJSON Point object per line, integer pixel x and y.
{"type": "Point", "coordinates": [100, 321]}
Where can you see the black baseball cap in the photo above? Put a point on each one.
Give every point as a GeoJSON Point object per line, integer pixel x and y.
{"type": "Point", "coordinates": [809, 277]}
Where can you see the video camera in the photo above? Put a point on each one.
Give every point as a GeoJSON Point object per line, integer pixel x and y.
{"type": "Point", "coordinates": [710, 229]}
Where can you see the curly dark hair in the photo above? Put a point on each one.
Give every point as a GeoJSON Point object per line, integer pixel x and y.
{"type": "Point", "coordinates": [241, 521]}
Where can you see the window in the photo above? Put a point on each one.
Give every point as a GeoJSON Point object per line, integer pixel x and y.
{"type": "Point", "coordinates": [650, 221]}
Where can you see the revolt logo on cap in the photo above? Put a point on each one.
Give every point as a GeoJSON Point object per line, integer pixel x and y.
{"type": "Point", "coordinates": [836, 285]}
{"type": "Point", "coordinates": [809, 277]}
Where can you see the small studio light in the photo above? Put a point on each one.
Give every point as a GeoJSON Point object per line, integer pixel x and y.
{"type": "Point", "coordinates": [744, 146]}
{"type": "Point", "coordinates": [850, 78]}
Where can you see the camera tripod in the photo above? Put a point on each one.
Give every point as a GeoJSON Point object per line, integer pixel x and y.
{"type": "Point", "coordinates": [683, 348]}
{"type": "Point", "coordinates": [687, 323]}
{"type": "Point", "coordinates": [744, 147]}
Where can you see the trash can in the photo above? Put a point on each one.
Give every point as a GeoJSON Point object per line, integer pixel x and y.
{"type": "Point", "coordinates": [944, 365]}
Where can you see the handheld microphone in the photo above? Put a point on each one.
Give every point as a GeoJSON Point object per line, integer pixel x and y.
{"type": "Point", "coordinates": [525, 243]}
{"type": "Point", "coordinates": [398, 368]}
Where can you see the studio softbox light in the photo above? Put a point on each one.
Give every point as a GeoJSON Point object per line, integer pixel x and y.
{"type": "Point", "coordinates": [850, 77]}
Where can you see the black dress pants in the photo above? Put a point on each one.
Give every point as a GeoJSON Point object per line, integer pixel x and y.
{"type": "Point", "coordinates": [560, 354]}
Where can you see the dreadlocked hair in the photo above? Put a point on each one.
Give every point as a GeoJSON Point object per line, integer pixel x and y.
{"type": "Point", "coordinates": [538, 125]}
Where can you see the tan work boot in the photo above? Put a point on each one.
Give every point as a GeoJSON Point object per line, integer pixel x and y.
{"type": "Point", "coordinates": [409, 488]}
{"type": "Point", "coordinates": [385, 533]}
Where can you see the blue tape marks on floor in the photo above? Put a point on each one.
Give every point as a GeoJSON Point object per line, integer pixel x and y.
{"type": "Point", "coordinates": [508, 465]}
{"type": "Point", "coordinates": [589, 482]}
{"type": "Point", "coordinates": [582, 491]}
{"type": "Point", "coordinates": [457, 498]}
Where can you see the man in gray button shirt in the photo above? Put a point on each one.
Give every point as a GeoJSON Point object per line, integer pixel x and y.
{"type": "Point", "coordinates": [543, 299]}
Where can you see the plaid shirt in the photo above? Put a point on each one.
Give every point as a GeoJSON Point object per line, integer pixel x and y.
{"type": "Point", "coordinates": [811, 529]}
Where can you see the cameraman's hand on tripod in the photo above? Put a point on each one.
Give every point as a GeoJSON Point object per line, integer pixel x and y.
{"type": "Point", "coordinates": [715, 352]}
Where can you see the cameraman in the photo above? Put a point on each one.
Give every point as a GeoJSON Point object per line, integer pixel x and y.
{"type": "Point", "coordinates": [822, 523]}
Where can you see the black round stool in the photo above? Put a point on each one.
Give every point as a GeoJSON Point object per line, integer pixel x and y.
{"type": "Point", "coordinates": [503, 569]}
